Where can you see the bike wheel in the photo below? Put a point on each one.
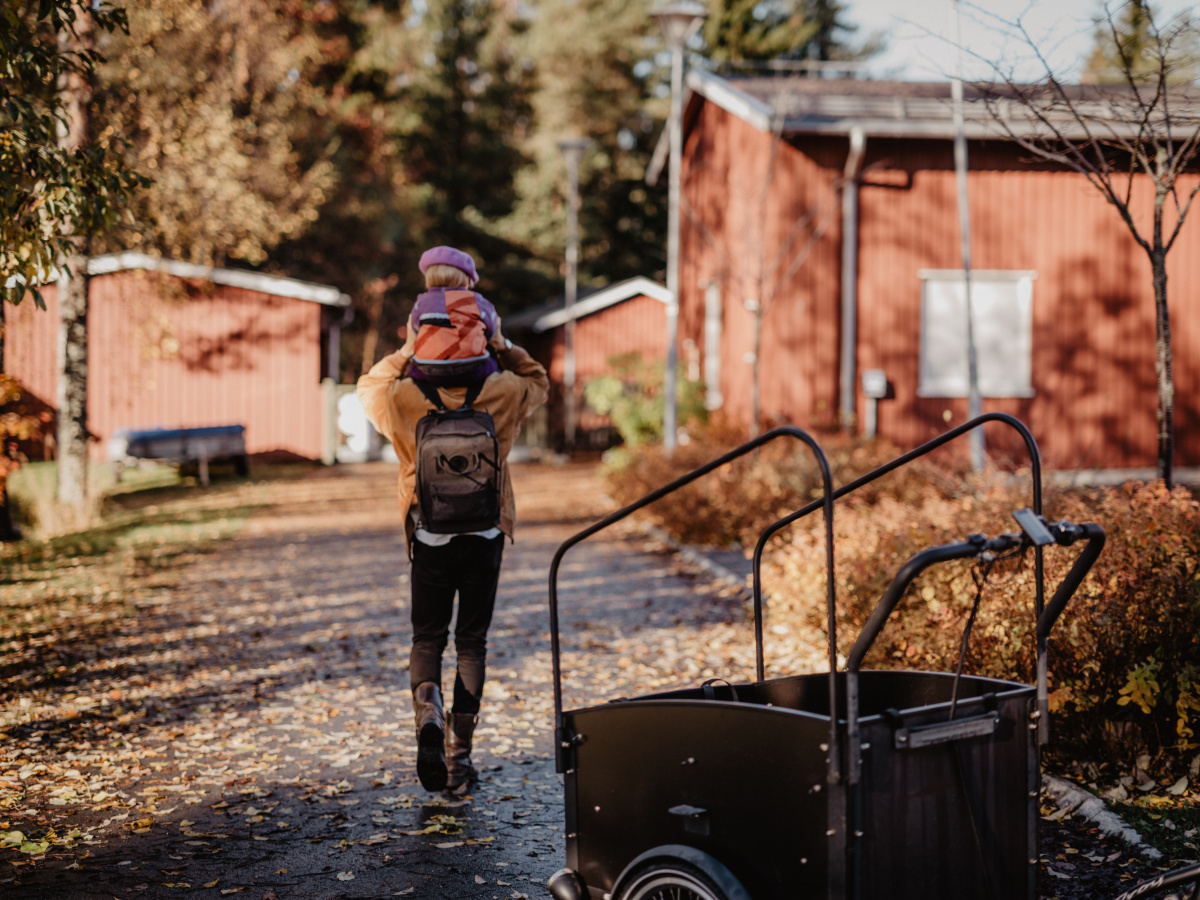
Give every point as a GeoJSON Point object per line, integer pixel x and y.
{"type": "Point", "coordinates": [1185, 882]}
{"type": "Point", "coordinates": [672, 880]}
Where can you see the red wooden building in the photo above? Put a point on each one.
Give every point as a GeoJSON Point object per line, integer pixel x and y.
{"type": "Point", "coordinates": [175, 345]}
{"type": "Point", "coordinates": [627, 317]}
{"type": "Point", "coordinates": [842, 233]}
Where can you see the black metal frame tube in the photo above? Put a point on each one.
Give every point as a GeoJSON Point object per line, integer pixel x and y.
{"type": "Point", "coordinates": [1035, 462]}
{"type": "Point", "coordinates": [1066, 589]}
{"type": "Point", "coordinates": [895, 590]}
{"type": "Point", "coordinates": [560, 741]}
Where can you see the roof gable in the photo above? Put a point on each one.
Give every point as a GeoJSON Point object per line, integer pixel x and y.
{"type": "Point", "coordinates": [602, 299]}
{"type": "Point", "coordinates": [905, 109]}
{"type": "Point", "coordinates": [253, 281]}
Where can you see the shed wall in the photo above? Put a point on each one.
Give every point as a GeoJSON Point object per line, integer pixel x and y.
{"type": "Point", "coordinates": [636, 325]}
{"type": "Point", "coordinates": [764, 223]}
{"type": "Point", "coordinates": [1093, 331]}
{"type": "Point", "coordinates": [165, 352]}
{"type": "Point", "coordinates": [1093, 301]}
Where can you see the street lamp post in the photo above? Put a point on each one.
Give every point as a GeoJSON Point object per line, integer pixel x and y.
{"type": "Point", "coordinates": [678, 22]}
{"type": "Point", "coordinates": [975, 443]}
{"type": "Point", "coordinates": [572, 151]}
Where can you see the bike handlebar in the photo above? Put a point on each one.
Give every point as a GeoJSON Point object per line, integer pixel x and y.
{"type": "Point", "coordinates": [983, 548]}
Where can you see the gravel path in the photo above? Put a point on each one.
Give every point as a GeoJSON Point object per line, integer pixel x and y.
{"type": "Point", "coordinates": [249, 731]}
{"type": "Point", "coordinates": [267, 747]}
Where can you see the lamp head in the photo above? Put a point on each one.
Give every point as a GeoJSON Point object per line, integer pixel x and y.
{"type": "Point", "coordinates": [679, 21]}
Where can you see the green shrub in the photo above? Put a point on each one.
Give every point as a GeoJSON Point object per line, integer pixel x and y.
{"type": "Point", "coordinates": [632, 398]}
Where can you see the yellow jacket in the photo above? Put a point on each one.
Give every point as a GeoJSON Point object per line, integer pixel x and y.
{"type": "Point", "coordinates": [394, 404]}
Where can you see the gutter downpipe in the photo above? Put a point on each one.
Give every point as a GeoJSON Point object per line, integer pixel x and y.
{"type": "Point", "coordinates": [334, 356]}
{"type": "Point", "coordinates": [329, 383]}
{"type": "Point", "coordinates": [849, 347]}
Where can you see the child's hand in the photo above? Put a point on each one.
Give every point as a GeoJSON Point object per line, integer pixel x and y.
{"type": "Point", "coordinates": [410, 337]}
{"type": "Point", "coordinates": [498, 341]}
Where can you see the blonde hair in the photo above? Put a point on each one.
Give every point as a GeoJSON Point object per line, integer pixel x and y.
{"type": "Point", "coordinates": [446, 276]}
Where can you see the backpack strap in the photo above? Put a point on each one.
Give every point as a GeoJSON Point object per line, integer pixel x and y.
{"type": "Point", "coordinates": [472, 394]}
{"type": "Point", "coordinates": [431, 394]}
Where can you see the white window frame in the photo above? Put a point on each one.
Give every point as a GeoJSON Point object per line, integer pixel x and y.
{"type": "Point", "coordinates": [1003, 318]}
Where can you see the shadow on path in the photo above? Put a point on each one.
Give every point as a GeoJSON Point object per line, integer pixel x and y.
{"type": "Point", "coordinates": [245, 727]}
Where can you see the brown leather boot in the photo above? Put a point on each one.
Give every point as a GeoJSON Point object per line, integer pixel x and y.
{"type": "Point", "coordinates": [431, 730]}
{"type": "Point", "coordinates": [459, 732]}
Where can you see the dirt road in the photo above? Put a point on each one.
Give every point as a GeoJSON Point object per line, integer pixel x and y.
{"type": "Point", "coordinates": [248, 731]}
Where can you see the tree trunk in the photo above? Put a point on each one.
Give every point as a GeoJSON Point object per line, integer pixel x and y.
{"type": "Point", "coordinates": [7, 531]}
{"type": "Point", "coordinates": [73, 297]}
{"type": "Point", "coordinates": [1162, 368]}
{"type": "Point", "coordinates": [72, 382]}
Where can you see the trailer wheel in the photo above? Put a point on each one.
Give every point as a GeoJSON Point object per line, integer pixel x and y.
{"type": "Point", "coordinates": [672, 880]}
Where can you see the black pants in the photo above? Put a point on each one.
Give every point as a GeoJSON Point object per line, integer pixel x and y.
{"type": "Point", "coordinates": [470, 567]}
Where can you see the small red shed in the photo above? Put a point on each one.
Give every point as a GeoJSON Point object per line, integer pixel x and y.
{"type": "Point", "coordinates": [820, 215]}
{"type": "Point", "coordinates": [626, 317]}
{"type": "Point", "coordinates": [174, 345]}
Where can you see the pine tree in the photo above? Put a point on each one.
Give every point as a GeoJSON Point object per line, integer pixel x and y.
{"type": "Point", "coordinates": [469, 114]}
{"type": "Point", "coordinates": [1126, 48]}
{"type": "Point", "coordinates": [777, 29]}
{"type": "Point", "coordinates": [596, 79]}
{"type": "Point", "coordinates": [353, 116]}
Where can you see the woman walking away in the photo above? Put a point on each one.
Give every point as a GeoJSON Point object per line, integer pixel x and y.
{"type": "Point", "coordinates": [452, 401]}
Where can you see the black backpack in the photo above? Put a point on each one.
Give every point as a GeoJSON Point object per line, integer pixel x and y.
{"type": "Point", "coordinates": [458, 466]}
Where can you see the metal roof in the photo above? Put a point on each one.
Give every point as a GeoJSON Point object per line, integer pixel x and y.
{"type": "Point", "coordinates": [554, 314]}
{"type": "Point", "coordinates": [253, 281]}
{"type": "Point", "coordinates": [923, 109]}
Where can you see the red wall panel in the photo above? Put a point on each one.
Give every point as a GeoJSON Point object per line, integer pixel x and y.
{"type": "Point", "coordinates": [170, 353]}
{"type": "Point", "coordinates": [1093, 329]}
{"type": "Point", "coordinates": [765, 224]}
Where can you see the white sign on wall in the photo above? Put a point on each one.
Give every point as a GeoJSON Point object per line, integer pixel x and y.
{"type": "Point", "coordinates": [1002, 306]}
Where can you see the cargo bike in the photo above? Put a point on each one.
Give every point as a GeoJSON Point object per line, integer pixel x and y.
{"type": "Point", "coordinates": [851, 784]}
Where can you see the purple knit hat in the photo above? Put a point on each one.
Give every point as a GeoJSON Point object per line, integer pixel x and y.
{"type": "Point", "coordinates": [448, 256]}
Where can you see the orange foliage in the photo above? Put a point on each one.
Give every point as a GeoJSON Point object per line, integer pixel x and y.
{"type": "Point", "coordinates": [1124, 657]}
{"type": "Point", "coordinates": [16, 424]}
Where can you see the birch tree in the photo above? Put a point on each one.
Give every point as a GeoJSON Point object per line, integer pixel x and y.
{"type": "Point", "coordinates": [59, 186]}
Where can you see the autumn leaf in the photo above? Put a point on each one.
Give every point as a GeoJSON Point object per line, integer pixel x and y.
{"type": "Point", "coordinates": [480, 880]}
{"type": "Point", "coordinates": [212, 884]}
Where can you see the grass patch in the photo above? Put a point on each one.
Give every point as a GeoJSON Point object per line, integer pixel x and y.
{"type": "Point", "coordinates": [34, 507]}
{"type": "Point", "coordinates": [1174, 829]}
{"type": "Point", "coordinates": [147, 520]}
